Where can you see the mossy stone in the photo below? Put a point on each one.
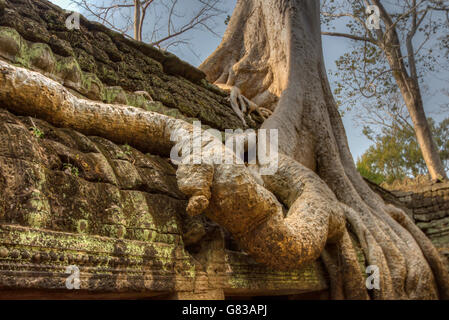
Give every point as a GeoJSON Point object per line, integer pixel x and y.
{"type": "Point", "coordinates": [60, 47]}
{"type": "Point", "coordinates": [82, 226]}
{"type": "Point", "coordinates": [11, 43]}
{"type": "Point", "coordinates": [92, 86]}
{"type": "Point", "coordinates": [42, 57]}
{"type": "Point", "coordinates": [69, 70]}
{"type": "Point", "coordinates": [115, 95]}
{"type": "Point", "coordinates": [86, 61]}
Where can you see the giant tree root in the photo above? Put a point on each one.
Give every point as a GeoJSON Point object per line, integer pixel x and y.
{"type": "Point", "coordinates": [272, 51]}
{"type": "Point", "coordinates": [242, 105]}
{"type": "Point", "coordinates": [312, 225]}
{"type": "Point", "coordinates": [228, 192]}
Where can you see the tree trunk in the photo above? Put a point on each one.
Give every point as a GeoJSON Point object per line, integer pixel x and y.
{"type": "Point", "coordinates": [272, 51]}
{"type": "Point", "coordinates": [411, 93]}
{"type": "Point", "coordinates": [298, 214]}
{"type": "Point", "coordinates": [412, 96]}
{"type": "Point", "coordinates": [137, 20]}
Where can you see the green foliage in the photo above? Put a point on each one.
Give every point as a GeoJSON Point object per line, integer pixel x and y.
{"type": "Point", "coordinates": [362, 73]}
{"type": "Point", "coordinates": [37, 132]}
{"type": "Point", "coordinates": [396, 153]}
{"type": "Point", "coordinates": [126, 151]}
{"type": "Point", "coordinates": [70, 168]}
{"type": "Point", "coordinates": [367, 170]}
{"type": "Point", "coordinates": [127, 148]}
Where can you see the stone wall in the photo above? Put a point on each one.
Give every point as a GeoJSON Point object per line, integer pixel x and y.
{"type": "Point", "coordinates": [103, 65]}
{"type": "Point", "coordinates": [426, 203]}
{"type": "Point", "coordinates": [429, 205]}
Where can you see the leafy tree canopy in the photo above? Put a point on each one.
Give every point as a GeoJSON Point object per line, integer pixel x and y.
{"type": "Point", "coordinates": [396, 153]}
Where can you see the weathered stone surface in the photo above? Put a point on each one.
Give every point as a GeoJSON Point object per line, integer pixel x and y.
{"type": "Point", "coordinates": [92, 59]}
{"type": "Point", "coordinates": [246, 278]}
{"type": "Point", "coordinates": [429, 204]}
{"type": "Point", "coordinates": [68, 199]}
{"type": "Point", "coordinates": [113, 211]}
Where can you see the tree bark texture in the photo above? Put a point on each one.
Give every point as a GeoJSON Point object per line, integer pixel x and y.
{"type": "Point", "coordinates": [272, 51]}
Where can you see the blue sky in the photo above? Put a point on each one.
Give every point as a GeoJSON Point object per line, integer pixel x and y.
{"type": "Point", "coordinates": [63, 4]}
{"type": "Point", "coordinates": [204, 44]}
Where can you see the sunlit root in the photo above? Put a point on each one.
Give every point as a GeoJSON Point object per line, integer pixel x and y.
{"type": "Point", "coordinates": [195, 181]}
{"type": "Point", "coordinates": [431, 253]}
{"type": "Point", "coordinates": [257, 220]}
{"type": "Point", "coordinates": [144, 94]}
{"type": "Point", "coordinates": [346, 280]}
{"type": "Point", "coordinates": [227, 193]}
{"type": "Point", "coordinates": [242, 105]}
{"type": "Point", "coordinates": [284, 221]}
{"type": "Point", "coordinates": [272, 51]}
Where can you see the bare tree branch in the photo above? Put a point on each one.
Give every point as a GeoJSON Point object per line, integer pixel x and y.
{"type": "Point", "coordinates": [124, 15]}
{"type": "Point", "coordinates": [349, 36]}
